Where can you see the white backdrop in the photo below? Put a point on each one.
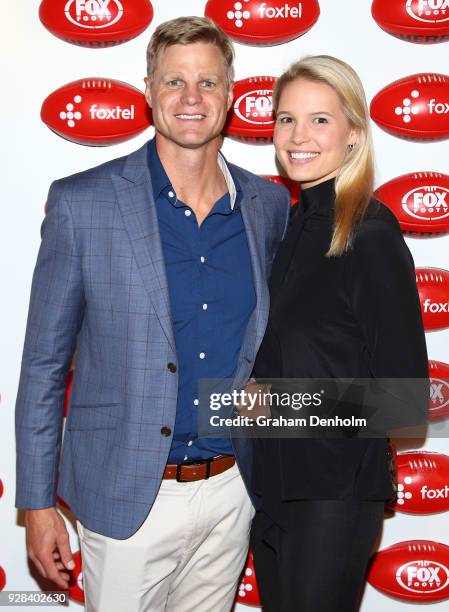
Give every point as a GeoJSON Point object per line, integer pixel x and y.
{"type": "Point", "coordinates": [35, 63]}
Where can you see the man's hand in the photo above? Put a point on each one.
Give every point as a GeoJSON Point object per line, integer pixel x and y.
{"type": "Point", "coordinates": [48, 545]}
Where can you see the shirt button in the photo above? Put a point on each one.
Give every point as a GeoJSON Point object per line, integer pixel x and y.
{"type": "Point", "coordinates": [196, 402]}
{"type": "Point", "coordinates": [166, 431]}
{"type": "Point", "coordinates": [202, 259]}
{"type": "Point", "coordinates": [204, 306]}
{"type": "Point", "coordinates": [171, 367]}
{"type": "Point", "coordinates": [202, 355]}
{"type": "Point", "coordinates": [185, 457]}
{"type": "Point", "coordinates": [187, 213]}
{"type": "Point", "coordinates": [189, 443]}
{"type": "Point", "coordinates": [171, 194]}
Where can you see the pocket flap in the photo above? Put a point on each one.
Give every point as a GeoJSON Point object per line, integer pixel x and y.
{"type": "Point", "coordinates": [92, 417]}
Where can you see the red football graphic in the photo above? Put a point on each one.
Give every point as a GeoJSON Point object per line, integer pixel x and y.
{"type": "Point", "coordinates": [248, 592]}
{"type": "Point", "coordinates": [76, 589]}
{"type": "Point", "coordinates": [417, 21]}
{"type": "Point", "coordinates": [293, 186]}
{"type": "Point", "coordinates": [415, 570]}
{"type": "Point", "coordinates": [420, 201]}
{"type": "Point", "coordinates": [415, 107]}
{"type": "Point", "coordinates": [96, 23]}
{"type": "Point", "coordinates": [439, 390]}
{"type": "Point", "coordinates": [251, 116]}
{"type": "Point", "coordinates": [423, 482]}
{"type": "Point", "coordinates": [2, 578]}
{"type": "Point", "coordinates": [263, 23]}
{"type": "Point", "coordinates": [96, 111]}
{"type": "Point", "coordinates": [68, 391]}
{"type": "Point", "coordinates": [433, 288]}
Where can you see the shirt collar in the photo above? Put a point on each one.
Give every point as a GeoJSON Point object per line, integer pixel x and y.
{"type": "Point", "coordinates": [161, 182]}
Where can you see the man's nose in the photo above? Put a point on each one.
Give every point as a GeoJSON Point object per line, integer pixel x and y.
{"type": "Point", "coordinates": [191, 94]}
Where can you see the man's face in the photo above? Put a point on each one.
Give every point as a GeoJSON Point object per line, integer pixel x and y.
{"type": "Point", "coordinates": [189, 95]}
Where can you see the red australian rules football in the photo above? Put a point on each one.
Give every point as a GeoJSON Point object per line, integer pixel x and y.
{"type": "Point", "coordinates": [96, 23]}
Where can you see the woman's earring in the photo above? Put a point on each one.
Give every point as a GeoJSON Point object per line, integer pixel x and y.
{"type": "Point", "coordinates": [351, 147]}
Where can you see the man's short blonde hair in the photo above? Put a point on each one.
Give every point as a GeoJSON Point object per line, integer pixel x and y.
{"type": "Point", "coordinates": [188, 30]}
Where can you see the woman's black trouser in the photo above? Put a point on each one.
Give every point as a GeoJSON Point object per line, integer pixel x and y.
{"type": "Point", "coordinates": [318, 561]}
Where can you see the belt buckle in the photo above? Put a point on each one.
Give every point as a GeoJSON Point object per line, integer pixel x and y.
{"type": "Point", "coordinates": [178, 473]}
{"type": "Point", "coordinates": [181, 465]}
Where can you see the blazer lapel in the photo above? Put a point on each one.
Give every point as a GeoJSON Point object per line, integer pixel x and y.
{"type": "Point", "coordinates": [137, 207]}
{"type": "Point", "coordinates": [255, 232]}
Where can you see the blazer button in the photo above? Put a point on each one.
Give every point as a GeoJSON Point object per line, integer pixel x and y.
{"type": "Point", "coordinates": [171, 367]}
{"type": "Point", "coordinates": [166, 431]}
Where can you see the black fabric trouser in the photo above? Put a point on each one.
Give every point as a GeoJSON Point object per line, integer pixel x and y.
{"type": "Point", "coordinates": [318, 561]}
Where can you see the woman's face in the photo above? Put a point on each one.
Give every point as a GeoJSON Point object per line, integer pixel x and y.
{"type": "Point", "coordinates": [312, 132]}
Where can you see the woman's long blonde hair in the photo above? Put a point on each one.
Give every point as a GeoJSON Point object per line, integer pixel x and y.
{"type": "Point", "coordinates": [354, 183]}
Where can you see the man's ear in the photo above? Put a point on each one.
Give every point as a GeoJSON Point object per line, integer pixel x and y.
{"type": "Point", "coordinates": [148, 82]}
{"type": "Point", "coordinates": [230, 96]}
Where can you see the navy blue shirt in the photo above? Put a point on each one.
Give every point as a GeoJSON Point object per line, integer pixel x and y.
{"type": "Point", "coordinates": [212, 296]}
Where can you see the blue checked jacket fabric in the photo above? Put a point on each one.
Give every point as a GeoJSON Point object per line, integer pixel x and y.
{"type": "Point", "coordinates": [100, 287]}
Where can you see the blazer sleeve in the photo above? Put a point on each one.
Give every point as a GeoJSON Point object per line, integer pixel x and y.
{"type": "Point", "coordinates": [384, 298]}
{"type": "Point", "coordinates": [54, 318]}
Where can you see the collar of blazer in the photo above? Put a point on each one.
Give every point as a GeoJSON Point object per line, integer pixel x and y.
{"type": "Point", "coordinates": [136, 203]}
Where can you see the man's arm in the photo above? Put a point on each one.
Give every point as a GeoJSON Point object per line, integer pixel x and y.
{"type": "Point", "coordinates": [55, 315]}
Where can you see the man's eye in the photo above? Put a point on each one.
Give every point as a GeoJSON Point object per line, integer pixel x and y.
{"type": "Point", "coordinates": [174, 83]}
{"type": "Point", "coordinates": [284, 119]}
{"type": "Point", "coordinates": [208, 83]}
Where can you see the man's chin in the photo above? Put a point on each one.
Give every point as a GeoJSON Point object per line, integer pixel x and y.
{"type": "Point", "coordinates": [191, 141]}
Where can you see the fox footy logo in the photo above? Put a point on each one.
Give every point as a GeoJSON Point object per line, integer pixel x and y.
{"type": "Point", "coordinates": [255, 106]}
{"type": "Point", "coordinates": [429, 202]}
{"type": "Point", "coordinates": [93, 14]}
{"type": "Point", "coordinates": [423, 576]}
{"type": "Point", "coordinates": [434, 11]}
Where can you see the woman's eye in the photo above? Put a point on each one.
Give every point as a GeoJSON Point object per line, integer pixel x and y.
{"type": "Point", "coordinates": [284, 119]}
{"type": "Point", "coordinates": [320, 120]}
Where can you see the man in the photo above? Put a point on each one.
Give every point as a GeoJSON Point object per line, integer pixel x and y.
{"type": "Point", "coordinates": [154, 267]}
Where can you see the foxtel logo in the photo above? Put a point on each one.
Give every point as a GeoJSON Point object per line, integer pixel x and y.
{"type": "Point", "coordinates": [439, 108]}
{"type": "Point", "coordinates": [93, 14]}
{"type": "Point", "coordinates": [111, 113]}
{"type": "Point", "coordinates": [240, 17]}
{"type": "Point", "coordinates": [435, 307]}
{"type": "Point", "coordinates": [281, 12]}
{"type": "Point", "coordinates": [427, 493]}
{"type": "Point", "coordinates": [434, 11]}
{"type": "Point", "coordinates": [255, 104]}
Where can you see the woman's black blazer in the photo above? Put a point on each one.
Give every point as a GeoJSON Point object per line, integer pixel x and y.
{"type": "Point", "coordinates": [353, 316]}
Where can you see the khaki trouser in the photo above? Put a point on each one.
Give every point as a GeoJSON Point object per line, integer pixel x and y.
{"type": "Point", "coordinates": [186, 557]}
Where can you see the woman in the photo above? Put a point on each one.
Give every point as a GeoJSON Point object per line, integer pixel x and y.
{"type": "Point", "coordinates": [344, 304]}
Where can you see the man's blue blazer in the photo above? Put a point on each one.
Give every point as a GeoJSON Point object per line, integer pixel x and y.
{"type": "Point", "coordinates": [100, 287]}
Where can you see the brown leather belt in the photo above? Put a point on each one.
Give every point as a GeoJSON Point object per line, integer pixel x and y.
{"type": "Point", "coordinates": [189, 472]}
